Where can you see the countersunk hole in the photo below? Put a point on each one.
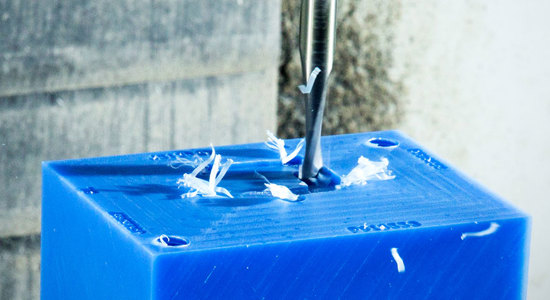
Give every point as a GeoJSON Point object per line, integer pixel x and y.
{"type": "Point", "coordinates": [382, 143]}
{"type": "Point", "coordinates": [171, 241]}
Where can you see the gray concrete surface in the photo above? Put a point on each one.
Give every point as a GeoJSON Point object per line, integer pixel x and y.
{"type": "Point", "coordinates": [50, 45]}
{"type": "Point", "coordinates": [20, 267]}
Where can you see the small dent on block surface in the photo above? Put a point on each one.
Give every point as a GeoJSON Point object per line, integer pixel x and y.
{"type": "Point", "coordinates": [89, 190]}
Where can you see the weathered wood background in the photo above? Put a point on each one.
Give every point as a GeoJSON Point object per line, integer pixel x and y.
{"type": "Point", "coordinates": [82, 78]}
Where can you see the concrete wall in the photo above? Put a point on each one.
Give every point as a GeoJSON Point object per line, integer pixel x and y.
{"type": "Point", "coordinates": [20, 267]}
{"type": "Point", "coordinates": [52, 45]}
{"type": "Point", "coordinates": [83, 78]}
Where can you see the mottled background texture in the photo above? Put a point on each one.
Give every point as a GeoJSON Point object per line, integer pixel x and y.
{"type": "Point", "coordinates": [362, 95]}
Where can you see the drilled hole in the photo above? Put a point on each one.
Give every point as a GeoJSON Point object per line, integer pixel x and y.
{"type": "Point", "coordinates": [382, 143]}
{"type": "Point", "coordinates": [171, 241]}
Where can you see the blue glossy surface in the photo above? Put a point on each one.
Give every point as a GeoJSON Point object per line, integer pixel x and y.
{"type": "Point", "coordinates": [104, 221]}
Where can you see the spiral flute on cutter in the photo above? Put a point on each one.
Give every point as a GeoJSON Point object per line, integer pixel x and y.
{"type": "Point", "coordinates": [317, 36]}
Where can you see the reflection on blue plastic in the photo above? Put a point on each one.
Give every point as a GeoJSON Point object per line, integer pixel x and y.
{"type": "Point", "coordinates": [117, 228]}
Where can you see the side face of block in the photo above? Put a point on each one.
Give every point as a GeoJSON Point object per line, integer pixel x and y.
{"type": "Point", "coordinates": [437, 264]}
{"type": "Point", "coordinates": [427, 233]}
{"type": "Point", "coordinates": [83, 254]}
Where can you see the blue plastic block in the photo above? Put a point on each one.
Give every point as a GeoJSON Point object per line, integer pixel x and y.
{"type": "Point", "coordinates": [117, 228]}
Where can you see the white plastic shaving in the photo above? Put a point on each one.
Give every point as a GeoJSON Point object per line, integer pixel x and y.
{"type": "Point", "coordinates": [202, 187]}
{"type": "Point", "coordinates": [182, 161]}
{"type": "Point", "coordinates": [492, 229]}
{"type": "Point", "coordinates": [279, 145]}
{"type": "Point", "coordinates": [310, 82]}
{"type": "Point", "coordinates": [398, 260]}
{"type": "Point", "coordinates": [281, 192]}
{"type": "Point", "coordinates": [367, 170]}
{"type": "Point", "coordinates": [163, 240]}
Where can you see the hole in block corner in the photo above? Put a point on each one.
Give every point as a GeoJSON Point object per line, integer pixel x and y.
{"type": "Point", "coordinates": [171, 241]}
{"type": "Point", "coordinates": [382, 143]}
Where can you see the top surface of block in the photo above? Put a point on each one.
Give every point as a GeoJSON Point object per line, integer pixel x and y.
{"type": "Point", "coordinates": [139, 194]}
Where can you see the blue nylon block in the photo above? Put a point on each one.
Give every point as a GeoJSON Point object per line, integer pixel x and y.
{"type": "Point", "coordinates": [104, 221]}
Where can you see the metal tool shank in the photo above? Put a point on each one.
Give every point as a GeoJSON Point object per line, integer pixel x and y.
{"type": "Point", "coordinates": [317, 36]}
